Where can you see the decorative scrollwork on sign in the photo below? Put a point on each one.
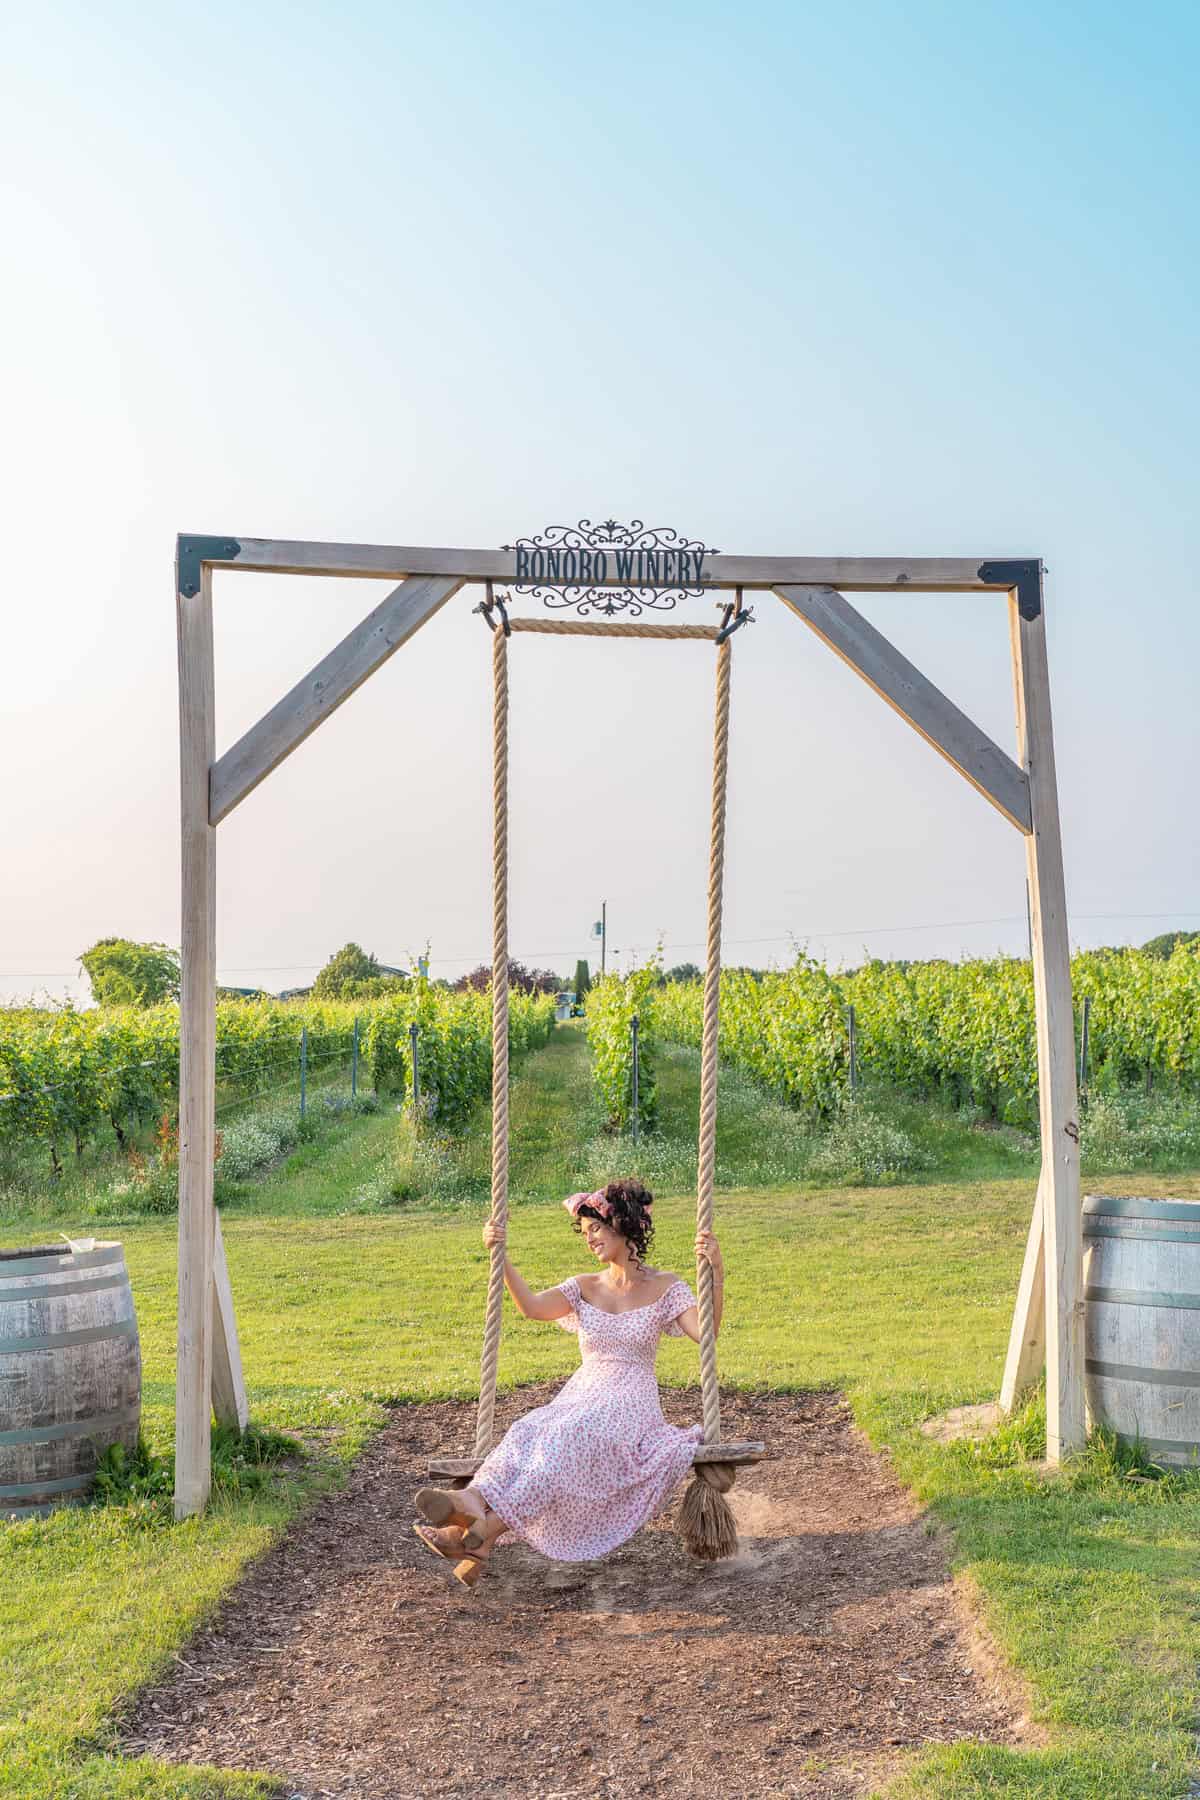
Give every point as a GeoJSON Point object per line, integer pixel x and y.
{"type": "Point", "coordinates": [653, 567]}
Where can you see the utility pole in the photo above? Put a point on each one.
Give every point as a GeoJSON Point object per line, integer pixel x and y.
{"type": "Point", "coordinates": [600, 930]}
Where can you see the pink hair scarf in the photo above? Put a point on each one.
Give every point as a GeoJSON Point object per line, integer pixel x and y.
{"type": "Point", "coordinates": [575, 1203]}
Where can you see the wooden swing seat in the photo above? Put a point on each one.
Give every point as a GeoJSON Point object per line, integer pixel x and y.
{"type": "Point", "coordinates": [743, 1450]}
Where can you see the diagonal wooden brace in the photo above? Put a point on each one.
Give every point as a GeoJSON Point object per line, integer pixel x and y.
{"type": "Point", "coordinates": [952, 734]}
{"type": "Point", "coordinates": [228, 1387]}
{"type": "Point", "coordinates": [325, 688]}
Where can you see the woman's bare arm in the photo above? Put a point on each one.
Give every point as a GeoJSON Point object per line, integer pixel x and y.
{"type": "Point", "coordinates": [549, 1304]}
{"type": "Point", "coordinates": [709, 1250]}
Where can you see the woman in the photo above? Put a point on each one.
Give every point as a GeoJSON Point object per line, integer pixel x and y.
{"type": "Point", "coordinates": [578, 1477]}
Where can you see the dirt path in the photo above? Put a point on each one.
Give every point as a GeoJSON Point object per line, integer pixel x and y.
{"type": "Point", "coordinates": [348, 1662]}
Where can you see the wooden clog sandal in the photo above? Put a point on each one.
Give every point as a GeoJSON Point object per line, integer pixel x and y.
{"type": "Point", "coordinates": [449, 1543]}
{"type": "Point", "coordinates": [446, 1542]}
{"type": "Point", "coordinates": [471, 1569]}
{"type": "Point", "coordinates": [443, 1506]}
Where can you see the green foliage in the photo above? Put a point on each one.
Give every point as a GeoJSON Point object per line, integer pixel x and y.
{"type": "Point", "coordinates": [612, 1003]}
{"type": "Point", "coordinates": [1134, 1130]}
{"type": "Point", "coordinates": [863, 1149]}
{"type": "Point", "coordinates": [350, 964]}
{"type": "Point", "coordinates": [125, 973]}
{"type": "Point", "coordinates": [249, 1145]}
{"type": "Point", "coordinates": [786, 1029]}
{"type": "Point", "coordinates": [454, 1044]}
{"type": "Point", "coordinates": [968, 1030]}
{"type": "Point", "coordinates": [144, 1478]}
{"type": "Point", "coordinates": [684, 972]}
{"type": "Point", "coordinates": [965, 1033]}
{"type": "Point", "coordinates": [1164, 945]}
{"type": "Point", "coordinates": [583, 980]}
{"type": "Point", "coordinates": [1145, 1014]}
{"type": "Point", "coordinates": [67, 1077]}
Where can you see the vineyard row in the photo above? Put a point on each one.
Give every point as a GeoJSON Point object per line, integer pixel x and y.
{"type": "Point", "coordinates": [73, 1077]}
{"type": "Point", "coordinates": [963, 1031]}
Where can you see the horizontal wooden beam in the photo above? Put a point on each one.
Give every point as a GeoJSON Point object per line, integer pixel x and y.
{"type": "Point", "coordinates": [324, 689]}
{"type": "Point", "coordinates": [971, 751]}
{"type": "Point", "coordinates": [863, 574]}
{"type": "Point", "coordinates": [741, 1450]}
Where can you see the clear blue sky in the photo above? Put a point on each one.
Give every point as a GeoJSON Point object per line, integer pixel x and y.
{"type": "Point", "coordinates": [879, 279]}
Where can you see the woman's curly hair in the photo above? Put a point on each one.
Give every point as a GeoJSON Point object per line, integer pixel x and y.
{"type": "Point", "coordinates": [630, 1203]}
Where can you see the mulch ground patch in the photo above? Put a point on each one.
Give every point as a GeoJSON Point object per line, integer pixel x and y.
{"type": "Point", "coordinates": [349, 1663]}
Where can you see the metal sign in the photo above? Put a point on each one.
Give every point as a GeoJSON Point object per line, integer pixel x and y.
{"type": "Point", "coordinates": [565, 565]}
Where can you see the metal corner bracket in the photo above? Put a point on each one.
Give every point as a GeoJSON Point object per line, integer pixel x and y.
{"type": "Point", "coordinates": [1025, 576]}
{"type": "Point", "coordinates": [192, 551]}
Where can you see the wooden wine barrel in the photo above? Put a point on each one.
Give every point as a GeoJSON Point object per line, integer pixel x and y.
{"type": "Point", "coordinates": [70, 1372]}
{"type": "Point", "coordinates": [1142, 1325]}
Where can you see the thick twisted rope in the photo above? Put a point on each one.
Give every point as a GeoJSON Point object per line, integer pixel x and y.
{"type": "Point", "coordinates": [710, 1393]}
{"type": "Point", "coordinates": [709, 1389]}
{"type": "Point", "coordinates": [597, 628]}
{"type": "Point", "coordinates": [485, 1420]}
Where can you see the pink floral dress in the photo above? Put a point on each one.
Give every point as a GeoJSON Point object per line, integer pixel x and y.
{"type": "Point", "coordinates": [578, 1477]}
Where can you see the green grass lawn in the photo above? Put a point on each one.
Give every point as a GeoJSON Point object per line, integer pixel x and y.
{"type": "Point", "coordinates": [900, 1296]}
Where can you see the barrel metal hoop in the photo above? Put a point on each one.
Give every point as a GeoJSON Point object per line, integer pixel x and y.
{"type": "Point", "coordinates": [70, 1259]}
{"type": "Point", "coordinates": [1143, 1297]}
{"type": "Point", "coordinates": [100, 1425]}
{"type": "Point", "coordinates": [1135, 1207]}
{"type": "Point", "coordinates": [1141, 1237]}
{"type": "Point", "coordinates": [24, 1490]}
{"type": "Point", "coordinates": [1184, 1447]}
{"type": "Point", "coordinates": [59, 1340]}
{"type": "Point", "coordinates": [1154, 1377]}
{"type": "Point", "coordinates": [97, 1285]}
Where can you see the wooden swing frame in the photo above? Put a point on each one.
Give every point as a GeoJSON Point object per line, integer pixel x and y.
{"type": "Point", "coordinates": [1047, 1325]}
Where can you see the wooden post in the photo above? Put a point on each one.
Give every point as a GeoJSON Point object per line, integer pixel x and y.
{"type": "Point", "coordinates": [416, 1069]}
{"type": "Point", "coordinates": [633, 1035]}
{"type": "Point", "coordinates": [1083, 1042]}
{"type": "Point", "coordinates": [354, 1063]}
{"type": "Point", "coordinates": [1061, 1234]}
{"type": "Point", "coordinates": [853, 1037]}
{"type": "Point", "coordinates": [303, 1068]}
{"type": "Point", "coordinates": [197, 1049]}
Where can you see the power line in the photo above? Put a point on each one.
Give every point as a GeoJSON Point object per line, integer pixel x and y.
{"type": "Point", "coordinates": [303, 968]}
